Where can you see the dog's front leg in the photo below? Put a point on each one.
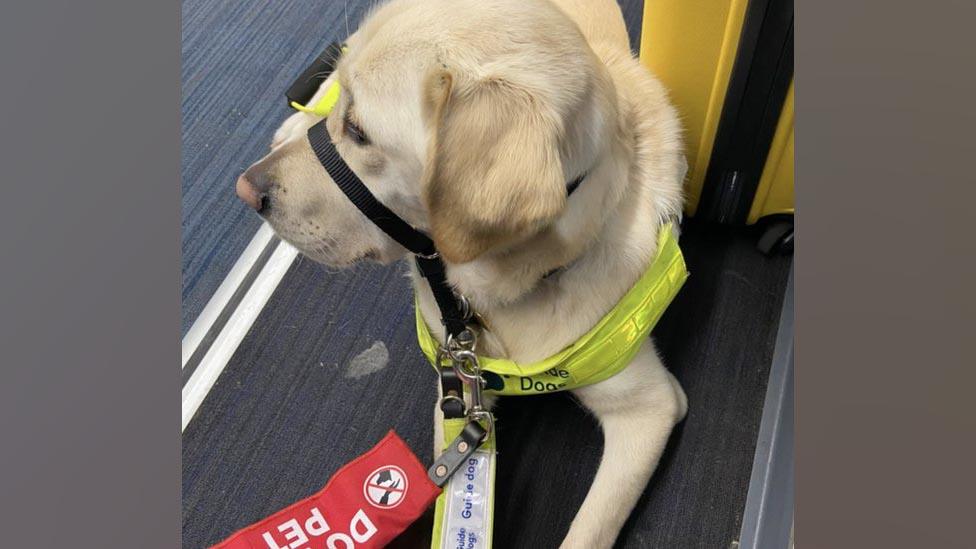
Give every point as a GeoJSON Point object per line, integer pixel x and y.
{"type": "Point", "coordinates": [637, 409]}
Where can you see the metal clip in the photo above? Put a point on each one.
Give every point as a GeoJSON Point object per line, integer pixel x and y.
{"type": "Point", "coordinates": [466, 366]}
{"type": "Point", "coordinates": [465, 341]}
{"type": "Point", "coordinates": [465, 363]}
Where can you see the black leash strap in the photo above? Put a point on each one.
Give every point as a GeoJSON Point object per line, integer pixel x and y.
{"type": "Point", "coordinates": [455, 455]}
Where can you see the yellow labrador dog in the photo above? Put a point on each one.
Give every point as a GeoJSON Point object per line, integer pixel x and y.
{"type": "Point", "coordinates": [467, 118]}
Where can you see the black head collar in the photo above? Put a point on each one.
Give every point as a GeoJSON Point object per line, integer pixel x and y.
{"type": "Point", "coordinates": [454, 310]}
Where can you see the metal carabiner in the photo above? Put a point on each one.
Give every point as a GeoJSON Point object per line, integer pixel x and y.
{"type": "Point", "coordinates": [465, 362]}
{"type": "Point", "coordinates": [466, 367]}
{"type": "Point", "coordinates": [465, 341]}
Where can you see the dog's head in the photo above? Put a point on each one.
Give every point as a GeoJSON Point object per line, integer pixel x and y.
{"type": "Point", "coordinates": [466, 118]}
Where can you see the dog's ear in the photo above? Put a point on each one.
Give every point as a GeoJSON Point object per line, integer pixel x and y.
{"type": "Point", "coordinates": [494, 174]}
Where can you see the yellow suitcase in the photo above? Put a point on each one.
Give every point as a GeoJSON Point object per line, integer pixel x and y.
{"type": "Point", "coordinates": [728, 65]}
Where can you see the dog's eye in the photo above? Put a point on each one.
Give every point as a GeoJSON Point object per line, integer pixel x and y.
{"type": "Point", "coordinates": [355, 132]}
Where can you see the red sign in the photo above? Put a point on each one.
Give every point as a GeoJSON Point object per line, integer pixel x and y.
{"type": "Point", "coordinates": [365, 504]}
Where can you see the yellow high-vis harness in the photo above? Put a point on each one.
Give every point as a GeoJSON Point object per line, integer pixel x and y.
{"type": "Point", "coordinates": [604, 350]}
{"type": "Point", "coordinates": [600, 353]}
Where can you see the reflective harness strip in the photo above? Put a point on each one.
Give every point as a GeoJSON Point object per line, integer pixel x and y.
{"type": "Point", "coordinates": [603, 351]}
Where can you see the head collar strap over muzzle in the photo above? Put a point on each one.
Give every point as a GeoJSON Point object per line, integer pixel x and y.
{"type": "Point", "coordinates": [455, 312]}
{"type": "Point", "coordinates": [428, 260]}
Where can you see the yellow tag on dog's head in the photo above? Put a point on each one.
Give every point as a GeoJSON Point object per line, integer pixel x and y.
{"type": "Point", "coordinates": [309, 83]}
{"type": "Point", "coordinates": [323, 106]}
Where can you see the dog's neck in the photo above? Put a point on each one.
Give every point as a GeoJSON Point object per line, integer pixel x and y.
{"type": "Point", "coordinates": [601, 245]}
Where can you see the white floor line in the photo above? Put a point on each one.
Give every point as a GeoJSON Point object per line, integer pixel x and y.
{"type": "Point", "coordinates": [224, 292]}
{"type": "Point", "coordinates": [237, 326]}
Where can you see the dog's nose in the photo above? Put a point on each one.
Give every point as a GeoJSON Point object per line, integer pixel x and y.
{"type": "Point", "coordinates": [253, 191]}
{"type": "Point", "coordinates": [247, 192]}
